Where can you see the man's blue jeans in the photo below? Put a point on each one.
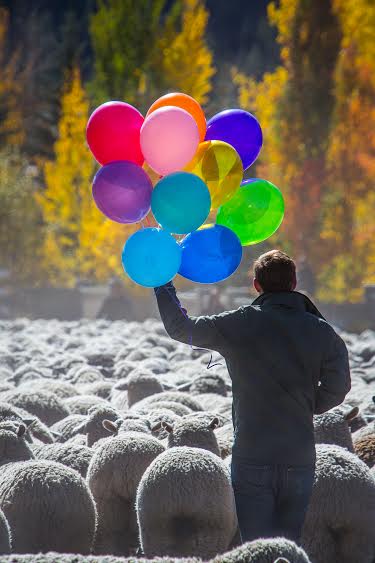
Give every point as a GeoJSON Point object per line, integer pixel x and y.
{"type": "Point", "coordinates": [271, 500]}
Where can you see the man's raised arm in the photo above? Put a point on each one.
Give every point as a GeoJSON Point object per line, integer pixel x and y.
{"type": "Point", "coordinates": [211, 332]}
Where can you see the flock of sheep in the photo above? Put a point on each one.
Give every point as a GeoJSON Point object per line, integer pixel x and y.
{"type": "Point", "coordinates": [115, 445]}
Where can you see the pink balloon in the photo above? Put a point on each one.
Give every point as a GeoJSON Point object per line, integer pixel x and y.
{"type": "Point", "coordinates": [113, 133]}
{"type": "Point", "coordinates": [169, 139]}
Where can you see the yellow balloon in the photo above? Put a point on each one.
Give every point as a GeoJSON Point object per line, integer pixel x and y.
{"type": "Point", "coordinates": [219, 165]}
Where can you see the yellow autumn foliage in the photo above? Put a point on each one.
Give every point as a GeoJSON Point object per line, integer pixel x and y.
{"type": "Point", "coordinates": [187, 61]}
{"type": "Point", "coordinates": [80, 243]}
{"type": "Point", "coordinates": [319, 138]}
{"type": "Point", "coordinates": [349, 228]}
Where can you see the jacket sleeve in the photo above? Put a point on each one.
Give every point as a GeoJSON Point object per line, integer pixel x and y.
{"type": "Point", "coordinates": [335, 380]}
{"type": "Point", "coordinates": [212, 332]}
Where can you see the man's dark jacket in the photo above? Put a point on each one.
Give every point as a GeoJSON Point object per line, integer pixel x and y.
{"type": "Point", "coordinates": [286, 364]}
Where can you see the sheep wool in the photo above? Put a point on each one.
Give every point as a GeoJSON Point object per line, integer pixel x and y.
{"type": "Point", "coordinates": [5, 535]}
{"type": "Point", "coordinates": [48, 507]}
{"type": "Point", "coordinates": [113, 477]}
{"type": "Point", "coordinates": [193, 431]}
{"type": "Point", "coordinates": [176, 522]}
{"type": "Point", "coordinates": [174, 396]}
{"type": "Point", "coordinates": [340, 519]}
{"type": "Point", "coordinates": [46, 406]}
{"type": "Point", "coordinates": [332, 427]}
{"type": "Point", "coordinates": [75, 456]}
{"type": "Point", "coordinates": [365, 449]}
{"type": "Point", "coordinates": [265, 551]}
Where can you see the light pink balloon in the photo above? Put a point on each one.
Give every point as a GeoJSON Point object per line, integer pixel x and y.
{"type": "Point", "coordinates": [169, 139]}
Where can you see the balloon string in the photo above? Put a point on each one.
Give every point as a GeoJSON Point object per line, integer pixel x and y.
{"type": "Point", "coordinates": [184, 312]}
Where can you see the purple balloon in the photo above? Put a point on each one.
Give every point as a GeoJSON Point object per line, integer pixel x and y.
{"type": "Point", "coordinates": [240, 129]}
{"type": "Point", "coordinates": [122, 191]}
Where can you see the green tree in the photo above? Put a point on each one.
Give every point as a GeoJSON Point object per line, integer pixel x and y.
{"type": "Point", "coordinates": [187, 61]}
{"type": "Point", "coordinates": [20, 220]}
{"type": "Point", "coordinates": [11, 125]}
{"type": "Point", "coordinates": [124, 35]}
{"type": "Point", "coordinates": [141, 50]}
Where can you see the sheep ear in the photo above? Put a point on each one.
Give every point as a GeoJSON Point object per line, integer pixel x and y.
{"type": "Point", "coordinates": [168, 427]}
{"type": "Point", "coordinates": [214, 423]}
{"type": "Point", "coordinates": [157, 426]}
{"type": "Point", "coordinates": [110, 426]}
{"type": "Point", "coordinates": [29, 422]}
{"type": "Point", "coordinates": [80, 428]}
{"type": "Point", "coordinates": [352, 413]}
{"type": "Point", "coordinates": [55, 434]}
{"type": "Point", "coordinates": [184, 387]}
{"type": "Point", "coordinates": [121, 386]}
{"type": "Point", "coordinates": [373, 398]}
{"type": "Point", "coordinates": [21, 430]}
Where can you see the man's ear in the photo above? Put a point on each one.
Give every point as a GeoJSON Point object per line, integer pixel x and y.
{"type": "Point", "coordinates": [257, 286]}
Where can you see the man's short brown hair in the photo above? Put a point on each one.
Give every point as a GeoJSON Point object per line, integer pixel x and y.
{"type": "Point", "coordinates": [275, 271]}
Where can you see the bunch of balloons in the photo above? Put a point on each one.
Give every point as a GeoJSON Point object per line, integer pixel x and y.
{"type": "Point", "coordinates": [180, 167]}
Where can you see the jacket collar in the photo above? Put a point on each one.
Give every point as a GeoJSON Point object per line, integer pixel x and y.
{"type": "Point", "coordinates": [289, 299]}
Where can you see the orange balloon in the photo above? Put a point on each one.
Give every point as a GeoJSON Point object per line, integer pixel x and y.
{"type": "Point", "coordinates": [188, 104]}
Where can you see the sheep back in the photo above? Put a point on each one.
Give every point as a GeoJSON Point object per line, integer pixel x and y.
{"type": "Point", "coordinates": [48, 507]}
{"type": "Point", "coordinates": [185, 505]}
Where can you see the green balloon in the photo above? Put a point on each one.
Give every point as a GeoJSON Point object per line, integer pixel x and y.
{"type": "Point", "coordinates": [255, 211]}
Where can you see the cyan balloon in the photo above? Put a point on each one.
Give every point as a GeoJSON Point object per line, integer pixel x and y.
{"type": "Point", "coordinates": [210, 255]}
{"type": "Point", "coordinates": [151, 257]}
{"type": "Point", "coordinates": [180, 202]}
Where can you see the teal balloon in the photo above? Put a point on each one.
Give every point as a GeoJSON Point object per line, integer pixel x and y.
{"type": "Point", "coordinates": [180, 202]}
{"type": "Point", "coordinates": [255, 211]}
{"type": "Point", "coordinates": [151, 257]}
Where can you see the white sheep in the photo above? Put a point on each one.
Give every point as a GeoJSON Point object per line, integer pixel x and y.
{"type": "Point", "coordinates": [332, 427]}
{"type": "Point", "coordinates": [75, 456]}
{"type": "Point", "coordinates": [174, 396]}
{"type": "Point", "coordinates": [113, 477]}
{"type": "Point", "coordinates": [43, 404]}
{"type": "Point", "coordinates": [81, 404]}
{"type": "Point", "coordinates": [66, 428]}
{"type": "Point", "coordinates": [48, 507]}
{"type": "Point", "coordinates": [35, 428]}
{"type": "Point", "coordinates": [193, 431]}
{"type": "Point", "coordinates": [5, 535]}
{"type": "Point", "coordinates": [340, 520]}
{"type": "Point", "coordinates": [185, 505]}
{"type": "Point", "coordinates": [271, 550]}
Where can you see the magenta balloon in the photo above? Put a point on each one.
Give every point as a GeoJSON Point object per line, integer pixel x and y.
{"type": "Point", "coordinates": [122, 191]}
{"type": "Point", "coordinates": [113, 133]}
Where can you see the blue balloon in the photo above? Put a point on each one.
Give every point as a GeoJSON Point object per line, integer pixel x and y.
{"type": "Point", "coordinates": [180, 202]}
{"type": "Point", "coordinates": [151, 257]}
{"type": "Point", "coordinates": [240, 129]}
{"type": "Point", "coordinates": [210, 255]}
